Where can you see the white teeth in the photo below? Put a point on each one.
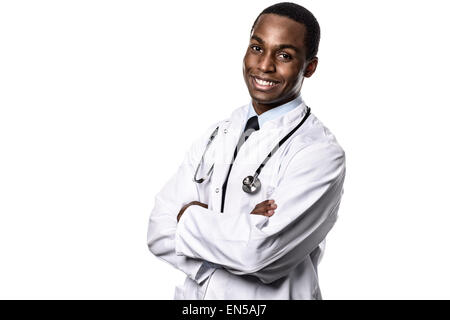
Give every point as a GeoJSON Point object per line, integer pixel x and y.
{"type": "Point", "coordinates": [264, 83]}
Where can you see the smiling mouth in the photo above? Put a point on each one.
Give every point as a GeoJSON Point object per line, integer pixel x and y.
{"type": "Point", "coordinates": [263, 85]}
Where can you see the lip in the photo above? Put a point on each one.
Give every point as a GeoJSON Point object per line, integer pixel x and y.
{"type": "Point", "coordinates": [261, 87]}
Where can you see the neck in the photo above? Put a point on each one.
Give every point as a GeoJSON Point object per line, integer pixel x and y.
{"type": "Point", "coordinates": [260, 108]}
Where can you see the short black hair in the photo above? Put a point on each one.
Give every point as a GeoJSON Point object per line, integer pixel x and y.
{"type": "Point", "coordinates": [301, 15]}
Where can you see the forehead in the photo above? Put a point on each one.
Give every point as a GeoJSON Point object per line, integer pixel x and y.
{"type": "Point", "coordinates": [276, 29]}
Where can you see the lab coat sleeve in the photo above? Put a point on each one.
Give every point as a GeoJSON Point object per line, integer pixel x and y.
{"type": "Point", "coordinates": [308, 197]}
{"type": "Point", "coordinates": [178, 191]}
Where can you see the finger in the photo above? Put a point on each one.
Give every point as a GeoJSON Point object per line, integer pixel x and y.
{"type": "Point", "coordinates": [261, 209]}
{"type": "Point", "coordinates": [265, 210]}
{"type": "Point", "coordinates": [269, 213]}
{"type": "Point", "coordinates": [258, 211]}
{"type": "Point", "coordinates": [203, 205]}
{"type": "Point", "coordinates": [198, 203]}
{"type": "Point", "coordinates": [266, 202]}
{"type": "Point", "coordinates": [271, 210]}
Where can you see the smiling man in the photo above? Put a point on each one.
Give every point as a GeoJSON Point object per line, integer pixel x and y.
{"type": "Point", "coordinates": [247, 212]}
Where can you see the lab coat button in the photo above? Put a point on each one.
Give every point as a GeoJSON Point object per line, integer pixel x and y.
{"type": "Point", "coordinates": [217, 190]}
{"type": "Point", "coordinates": [225, 130]}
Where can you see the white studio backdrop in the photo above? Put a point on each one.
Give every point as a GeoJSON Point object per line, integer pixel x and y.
{"type": "Point", "coordinates": [99, 101]}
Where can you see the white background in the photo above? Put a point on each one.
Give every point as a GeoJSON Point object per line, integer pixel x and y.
{"type": "Point", "coordinates": [99, 101]}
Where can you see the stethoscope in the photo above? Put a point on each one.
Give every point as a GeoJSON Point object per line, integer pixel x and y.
{"type": "Point", "coordinates": [250, 184]}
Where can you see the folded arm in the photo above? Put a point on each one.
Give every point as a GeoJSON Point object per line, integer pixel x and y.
{"type": "Point", "coordinates": [308, 198]}
{"type": "Point", "coordinates": [177, 192]}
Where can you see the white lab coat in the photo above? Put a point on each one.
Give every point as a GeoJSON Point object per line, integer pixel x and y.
{"type": "Point", "coordinates": [252, 256]}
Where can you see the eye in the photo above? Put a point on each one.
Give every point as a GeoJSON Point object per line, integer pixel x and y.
{"type": "Point", "coordinates": [285, 56]}
{"type": "Point", "coordinates": [255, 48]}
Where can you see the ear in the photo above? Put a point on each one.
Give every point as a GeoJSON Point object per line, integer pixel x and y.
{"type": "Point", "coordinates": [311, 67]}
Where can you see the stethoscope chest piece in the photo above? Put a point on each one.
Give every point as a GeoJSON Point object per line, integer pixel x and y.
{"type": "Point", "coordinates": [251, 184]}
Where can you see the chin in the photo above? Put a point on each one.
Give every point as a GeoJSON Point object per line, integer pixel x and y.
{"type": "Point", "coordinates": [264, 98]}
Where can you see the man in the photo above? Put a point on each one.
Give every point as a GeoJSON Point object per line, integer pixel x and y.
{"type": "Point", "coordinates": [265, 245]}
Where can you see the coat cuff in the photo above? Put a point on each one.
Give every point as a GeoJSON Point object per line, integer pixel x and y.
{"type": "Point", "coordinates": [183, 234]}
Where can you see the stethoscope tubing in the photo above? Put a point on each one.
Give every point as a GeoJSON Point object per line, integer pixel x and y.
{"type": "Point", "coordinates": [278, 145]}
{"type": "Point", "coordinates": [211, 138]}
{"type": "Point", "coordinates": [251, 184]}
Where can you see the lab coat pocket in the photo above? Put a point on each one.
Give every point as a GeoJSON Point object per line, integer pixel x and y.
{"type": "Point", "coordinates": [269, 191]}
{"type": "Point", "coordinates": [204, 287]}
{"type": "Point", "coordinates": [268, 178]}
{"type": "Point", "coordinates": [259, 221]}
{"type": "Point", "coordinates": [217, 285]}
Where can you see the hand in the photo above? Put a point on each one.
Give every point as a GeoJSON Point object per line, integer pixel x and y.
{"type": "Point", "coordinates": [265, 208]}
{"type": "Point", "coordinates": [190, 204]}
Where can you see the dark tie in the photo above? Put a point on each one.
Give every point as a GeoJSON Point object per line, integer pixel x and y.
{"type": "Point", "coordinates": [251, 126]}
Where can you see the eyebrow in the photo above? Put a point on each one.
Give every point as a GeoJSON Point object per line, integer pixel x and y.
{"type": "Point", "coordinates": [279, 47]}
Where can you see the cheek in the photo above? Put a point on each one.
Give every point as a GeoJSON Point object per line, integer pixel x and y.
{"type": "Point", "coordinates": [245, 64]}
{"type": "Point", "coordinates": [291, 76]}
{"type": "Point", "coordinates": [249, 61]}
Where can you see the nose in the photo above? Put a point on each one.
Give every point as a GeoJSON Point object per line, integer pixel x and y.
{"type": "Point", "coordinates": [265, 64]}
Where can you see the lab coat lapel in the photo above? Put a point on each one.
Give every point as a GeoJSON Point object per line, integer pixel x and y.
{"type": "Point", "coordinates": [252, 154]}
{"type": "Point", "coordinates": [227, 138]}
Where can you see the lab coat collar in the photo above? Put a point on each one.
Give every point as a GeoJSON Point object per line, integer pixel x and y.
{"type": "Point", "coordinates": [274, 112]}
{"type": "Point", "coordinates": [240, 115]}
{"type": "Point", "coordinates": [288, 118]}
